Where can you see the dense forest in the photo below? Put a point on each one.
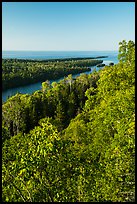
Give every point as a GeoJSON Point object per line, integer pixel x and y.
{"type": "Point", "coordinates": [19, 72]}
{"type": "Point", "coordinates": [74, 140]}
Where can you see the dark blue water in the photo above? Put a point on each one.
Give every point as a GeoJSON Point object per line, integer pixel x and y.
{"type": "Point", "coordinates": [54, 54]}
{"type": "Point", "coordinates": [112, 57]}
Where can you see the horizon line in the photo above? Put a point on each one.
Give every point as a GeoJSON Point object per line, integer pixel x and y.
{"type": "Point", "coordinates": [56, 50]}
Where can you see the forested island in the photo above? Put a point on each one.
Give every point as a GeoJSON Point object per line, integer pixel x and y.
{"type": "Point", "coordinates": [71, 141]}
{"type": "Point", "coordinates": [20, 72]}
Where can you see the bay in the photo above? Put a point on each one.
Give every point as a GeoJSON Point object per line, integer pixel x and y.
{"type": "Point", "coordinates": [41, 55]}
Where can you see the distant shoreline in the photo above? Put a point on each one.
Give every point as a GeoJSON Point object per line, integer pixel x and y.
{"type": "Point", "coordinates": [20, 72]}
{"type": "Point", "coordinates": [56, 59]}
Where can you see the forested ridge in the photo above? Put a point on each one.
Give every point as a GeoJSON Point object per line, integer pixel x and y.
{"type": "Point", "coordinates": [74, 140]}
{"type": "Point", "coordinates": [19, 72]}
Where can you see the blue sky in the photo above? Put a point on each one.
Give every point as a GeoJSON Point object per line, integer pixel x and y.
{"type": "Point", "coordinates": [69, 26]}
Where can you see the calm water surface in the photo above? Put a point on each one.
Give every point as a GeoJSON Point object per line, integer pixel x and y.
{"type": "Point", "coordinates": [112, 57]}
{"type": "Point", "coordinates": [55, 54]}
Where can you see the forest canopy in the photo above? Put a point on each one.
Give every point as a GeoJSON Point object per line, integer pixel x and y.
{"type": "Point", "coordinates": [73, 141]}
{"type": "Point", "coordinates": [19, 72]}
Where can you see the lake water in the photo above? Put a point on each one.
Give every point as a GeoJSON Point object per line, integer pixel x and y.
{"type": "Point", "coordinates": [40, 55]}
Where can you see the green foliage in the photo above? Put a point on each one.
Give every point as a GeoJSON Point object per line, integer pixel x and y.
{"type": "Point", "coordinates": [85, 151]}
{"type": "Point", "coordinates": [107, 124]}
{"type": "Point", "coordinates": [24, 163]}
{"type": "Point", "coordinates": [60, 101]}
{"type": "Point", "coordinates": [17, 72]}
{"type": "Point", "coordinates": [45, 85]}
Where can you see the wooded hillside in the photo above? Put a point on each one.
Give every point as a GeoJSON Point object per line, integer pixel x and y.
{"type": "Point", "coordinates": [73, 141]}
